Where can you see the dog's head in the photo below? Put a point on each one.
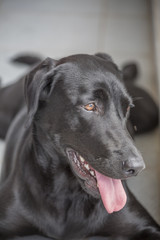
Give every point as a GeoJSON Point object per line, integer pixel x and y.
{"type": "Point", "coordinates": [79, 107]}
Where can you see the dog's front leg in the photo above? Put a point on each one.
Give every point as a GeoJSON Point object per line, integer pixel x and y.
{"type": "Point", "coordinates": [148, 234]}
{"type": "Point", "coordinates": [136, 221]}
{"type": "Point", "coordinates": [147, 228]}
{"type": "Point", "coordinates": [34, 237]}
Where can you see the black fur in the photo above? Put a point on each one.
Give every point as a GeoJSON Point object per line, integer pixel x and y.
{"type": "Point", "coordinates": [41, 192]}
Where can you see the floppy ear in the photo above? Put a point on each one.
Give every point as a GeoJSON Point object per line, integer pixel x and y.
{"type": "Point", "coordinates": [104, 56]}
{"type": "Point", "coordinates": [38, 85]}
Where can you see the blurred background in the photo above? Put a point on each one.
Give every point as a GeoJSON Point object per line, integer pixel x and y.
{"type": "Point", "coordinates": [128, 30]}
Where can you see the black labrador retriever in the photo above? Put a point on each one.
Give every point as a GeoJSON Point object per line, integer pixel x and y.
{"type": "Point", "coordinates": [68, 155]}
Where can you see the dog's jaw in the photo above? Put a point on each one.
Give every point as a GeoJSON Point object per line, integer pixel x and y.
{"type": "Point", "coordinates": [98, 185]}
{"type": "Point", "coordinates": [84, 172]}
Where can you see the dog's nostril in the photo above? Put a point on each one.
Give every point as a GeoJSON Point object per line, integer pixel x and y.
{"type": "Point", "coordinates": [131, 171]}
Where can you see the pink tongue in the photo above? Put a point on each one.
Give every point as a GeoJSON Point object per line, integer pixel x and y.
{"type": "Point", "coordinates": [112, 193]}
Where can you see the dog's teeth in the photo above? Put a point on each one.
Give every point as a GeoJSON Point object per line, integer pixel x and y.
{"type": "Point", "coordinates": [75, 159]}
{"type": "Point", "coordinates": [92, 173]}
{"type": "Point", "coordinates": [86, 166]}
{"type": "Point", "coordinates": [81, 158]}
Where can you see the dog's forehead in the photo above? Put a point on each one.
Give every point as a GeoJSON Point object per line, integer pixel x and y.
{"type": "Point", "coordinates": [83, 74]}
{"type": "Point", "coordinates": [80, 71]}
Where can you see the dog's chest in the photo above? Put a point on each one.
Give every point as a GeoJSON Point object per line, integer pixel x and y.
{"type": "Point", "coordinates": [76, 217]}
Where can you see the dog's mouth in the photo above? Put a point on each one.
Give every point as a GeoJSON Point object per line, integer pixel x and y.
{"type": "Point", "coordinates": [111, 190]}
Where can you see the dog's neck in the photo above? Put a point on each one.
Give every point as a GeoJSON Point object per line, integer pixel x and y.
{"type": "Point", "coordinates": [44, 186]}
{"type": "Point", "coordinates": [50, 171]}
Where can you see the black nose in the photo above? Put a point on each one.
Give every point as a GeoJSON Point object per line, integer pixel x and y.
{"type": "Point", "coordinates": [133, 166]}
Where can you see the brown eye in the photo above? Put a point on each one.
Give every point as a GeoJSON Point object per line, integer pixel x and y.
{"type": "Point", "coordinates": [90, 107]}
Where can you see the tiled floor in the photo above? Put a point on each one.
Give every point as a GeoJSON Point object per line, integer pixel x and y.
{"type": "Point", "coordinates": [59, 28]}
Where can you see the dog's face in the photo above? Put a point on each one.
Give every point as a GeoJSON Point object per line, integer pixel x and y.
{"type": "Point", "coordinates": [85, 117]}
